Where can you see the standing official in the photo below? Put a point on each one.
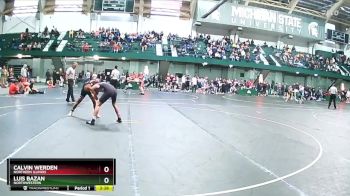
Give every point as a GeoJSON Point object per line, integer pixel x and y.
{"type": "Point", "coordinates": [115, 76]}
{"type": "Point", "coordinates": [24, 72]}
{"type": "Point", "coordinates": [70, 75]}
{"type": "Point", "coordinates": [333, 96]}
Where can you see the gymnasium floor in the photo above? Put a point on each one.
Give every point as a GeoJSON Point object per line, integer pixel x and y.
{"type": "Point", "coordinates": [187, 144]}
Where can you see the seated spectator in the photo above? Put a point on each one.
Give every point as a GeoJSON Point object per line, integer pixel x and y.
{"type": "Point", "coordinates": [35, 45]}
{"type": "Point", "coordinates": [143, 44]}
{"type": "Point", "coordinates": [117, 47]}
{"type": "Point", "coordinates": [252, 43]}
{"type": "Point", "coordinates": [85, 47]}
{"type": "Point", "coordinates": [13, 89]}
{"type": "Point", "coordinates": [265, 45]}
{"type": "Point", "coordinates": [96, 34]}
{"type": "Point", "coordinates": [80, 34]}
{"type": "Point", "coordinates": [50, 84]}
{"type": "Point", "coordinates": [33, 90]}
{"type": "Point", "coordinates": [39, 46]}
{"type": "Point", "coordinates": [26, 88]}
{"type": "Point", "coordinates": [46, 31]}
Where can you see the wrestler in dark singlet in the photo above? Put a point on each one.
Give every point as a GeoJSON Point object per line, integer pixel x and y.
{"type": "Point", "coordinates": [85, 91]}
{"type": "Point", "coordinates": [108, 92]}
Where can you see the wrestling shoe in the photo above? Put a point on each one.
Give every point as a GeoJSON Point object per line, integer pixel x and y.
{"type": "Point", "coordinates": [119, 120]}
{"type": "Point", "coordinates": [70, 113]}
{"type": "Point", "coordinates": [92, 122]}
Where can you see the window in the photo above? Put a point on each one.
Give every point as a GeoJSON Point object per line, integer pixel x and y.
{"type": "Point", "coordinates": [166, 8]}
{"type": "Point", "coordinates": [69, 6]}
{"type": "Point", "coordinates": [25, 6]}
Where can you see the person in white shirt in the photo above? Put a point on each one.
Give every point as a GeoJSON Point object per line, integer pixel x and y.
{"type": "Point", "coordinates": [87, 75]}
{"type": "Point", "coordinates": [333, 95]}
{"type": "Point", "coordinates": [115, 75]}
{"type": "Point", "coordinates": [24, 72]}
{"type": "Point", "coordinates": [194, 84]}
{"type": "Point", "coordinates": [183, 82]}
{"type": "Point", "coordinates": [348, 96]}
{"type": "Point", "coordinates": [70, 75]}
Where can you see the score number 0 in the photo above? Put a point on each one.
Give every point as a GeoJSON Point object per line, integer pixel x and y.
{"type": "Point", "coordinates": [106, 170]}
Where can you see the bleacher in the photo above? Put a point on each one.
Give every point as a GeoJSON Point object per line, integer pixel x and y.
{"type": "Point", "coordinates": [196, 53]}
{"type": "Point", "coordinates": [13, 41]}
{"type": "Point", "coordinates": [274, 59]}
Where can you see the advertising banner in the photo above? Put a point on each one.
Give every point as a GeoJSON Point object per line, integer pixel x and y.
{"type": "Point", "coordinates": [262, 19]}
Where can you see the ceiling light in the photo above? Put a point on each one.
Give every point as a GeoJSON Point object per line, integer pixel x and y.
{"type": "Point", "coordinates": [96, 57]}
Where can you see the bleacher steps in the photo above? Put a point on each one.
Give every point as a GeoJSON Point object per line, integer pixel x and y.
{"type": "Point", "coordinates": [48, 45]}
{"type": "Point", "coordinates": [61, 36]}
{"type": "Point", "coordinates": [345, 70]}
{"type": "Point", "coordinates": [61, 46]}
{"type": "Point", "coordinates": [262, 57]}
{"type": "Point", "coordinates": [274, 60]}
{"type": "Point", "coordinates": [173, 51]}
{"type": "Point", "coordinates": [159, 50]}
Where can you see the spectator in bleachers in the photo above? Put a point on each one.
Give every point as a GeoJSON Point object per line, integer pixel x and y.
{"type": "Point", "coordinates": [46, 31]}
{"type": "Point", "coordinates": [85, 47]}
{"type": "Point", "coordinates": [292, 58]}
{"type": "Point", "coordinates": [71, 34]}
{"type": "Point", "coordinates": [80, 34]}
{"type": "Point", "coordinates": [39, 46]}
{"type": "Point", "coordinates": [35, 46]}
{"type": "Point", "coordinates": [143, 44]}
{"type": "Point", "coordinates": [54, 32]}
{"type": "Point", "coordinates": [25, 35]}
{"type": "Point", "coordinates": [117, 47]}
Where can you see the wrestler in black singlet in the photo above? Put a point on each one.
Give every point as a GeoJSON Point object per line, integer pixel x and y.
{"type": "Point", "coordinates": [108, 92]}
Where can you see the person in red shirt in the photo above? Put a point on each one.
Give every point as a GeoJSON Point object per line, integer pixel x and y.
{"type": "Point", "coordinates": [13, 90]}
{"type": "Point", "coordinates": [86, 47]}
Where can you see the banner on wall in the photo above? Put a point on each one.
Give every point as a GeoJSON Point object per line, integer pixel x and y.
{"type": "Point", "coordinates": [262, 19]}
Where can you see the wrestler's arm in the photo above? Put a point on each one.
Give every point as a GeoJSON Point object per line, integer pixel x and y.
{"type": "Point", "coordinates": [94, 90]}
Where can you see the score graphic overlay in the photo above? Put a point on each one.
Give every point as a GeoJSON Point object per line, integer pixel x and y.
{"type": "Point", "coordinates": [61, 174]}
